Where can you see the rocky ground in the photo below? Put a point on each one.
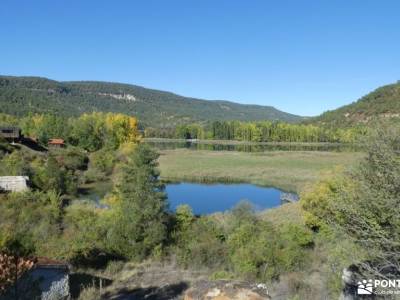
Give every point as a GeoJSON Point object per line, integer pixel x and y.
{"type": "Point", "coordinates": [156, 281]}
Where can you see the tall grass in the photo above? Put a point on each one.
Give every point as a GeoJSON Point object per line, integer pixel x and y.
{"type": "Point", "coordinates": [287, 170]}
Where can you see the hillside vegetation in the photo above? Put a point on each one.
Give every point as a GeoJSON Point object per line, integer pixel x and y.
{"type": "Point", "coordinates": [299, 258]}
{"type": "Point", "coordinates": [23, 95]}
{"type": "Point", "coordinates": [382, 103]}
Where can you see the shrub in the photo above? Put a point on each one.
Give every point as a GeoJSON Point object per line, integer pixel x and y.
{"type": "Point", "coordinates": [33, 215]}
{"type": "Point", "coordinates": [254, 252]}
{"type": "Point", "coordinates": [90, 293]}
{"type": "Point", "coordinates": [364, 203]}
{"type": "Point", "coordinates": [295, 240]}
{"type": "Point", "coordinates": [201, 245]}
{"type": "Point", "coordinates": [103, 161]}
{"type": "Point", "coordinates": [83, 232]}
{"type": "Point", "coordinates": [184, 218]}
{"type": "Point", "coordinates": [71, 158]}
{"type": "Point", "coordinates": [15, 164]}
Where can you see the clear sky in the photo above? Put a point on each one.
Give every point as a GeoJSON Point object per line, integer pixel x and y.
{"type": "Point", "coordinates": [301, 56]}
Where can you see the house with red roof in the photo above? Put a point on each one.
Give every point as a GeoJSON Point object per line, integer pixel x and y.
{"type": "Point", "coordinates": [56, 143]}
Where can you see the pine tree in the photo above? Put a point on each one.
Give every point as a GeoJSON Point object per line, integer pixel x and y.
{"type": "Point", "coordinates": [139, 223]}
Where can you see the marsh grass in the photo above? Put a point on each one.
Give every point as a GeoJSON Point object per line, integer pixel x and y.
{"type": "Point", "coordinates": [287, 170]}
{"type": "Point", "coordinates": [282, 215]}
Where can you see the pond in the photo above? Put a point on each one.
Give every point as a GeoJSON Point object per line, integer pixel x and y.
{"type": "Point", "coordinates": [210, 198]}
{"type": "Point", "coordinates": [203, 198]}
{"type": "Point", "coordinates": [165, 144]}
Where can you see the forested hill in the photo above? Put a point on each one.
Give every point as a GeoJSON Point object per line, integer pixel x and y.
{"type": "Point", "coordinates": [21, 95]}
{"type": "Point", "coordinates": [382, 103]}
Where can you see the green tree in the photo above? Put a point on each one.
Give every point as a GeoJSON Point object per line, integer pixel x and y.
{"type": "Point", "coordinates": [15, 164]}
{"type": "Point", "coordinates": [45, 126]}
{"type": "Point", "coordinates": [184, 217]}
{"type": "Point", "coordinates": [139, 223]}
{"type": "Point", "coordinates": [88, 131]}
{"type": "Point", "coordinates": [364, 203]}
{"type": "Point", "coordinates": [50, 176]}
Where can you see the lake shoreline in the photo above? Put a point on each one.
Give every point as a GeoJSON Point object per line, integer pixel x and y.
{"type": "Point", "coordinates": [218, 180]}
{"type": "Point", "coordinates": [235, 142]}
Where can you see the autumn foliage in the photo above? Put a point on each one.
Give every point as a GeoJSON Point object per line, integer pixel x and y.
{"type": "Point", "coordinates": [12, 268]}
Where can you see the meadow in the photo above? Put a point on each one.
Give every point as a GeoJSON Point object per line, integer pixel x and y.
{"type": "Point", "coordinates": [287, 170]}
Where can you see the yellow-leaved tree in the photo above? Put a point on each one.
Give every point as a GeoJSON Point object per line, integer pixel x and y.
{"type": "Point", "coordinates": [122, 129]}
{"type": "Point", "coordinates": [96, 130]}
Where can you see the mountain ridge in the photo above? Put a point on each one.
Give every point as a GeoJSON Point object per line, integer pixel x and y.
{"type": "Point", "coordinates": [381, 103]}
{"type": "Point", "coordinates": [24, 94]}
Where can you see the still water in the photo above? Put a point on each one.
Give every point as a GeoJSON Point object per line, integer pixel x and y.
{"type": "Point", "coordinates": [203, 198]}
{"type": "Point", "coordinates": [210, 198]}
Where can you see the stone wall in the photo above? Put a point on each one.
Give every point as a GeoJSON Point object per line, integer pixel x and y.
{"type": "Point", "coordinates": [53, 282]}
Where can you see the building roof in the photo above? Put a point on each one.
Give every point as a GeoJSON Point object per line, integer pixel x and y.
{"type": "Point", "coordinates": [14, 178]}
{"type": "Point", "coordinates": [56, 142]}
{"type": "Point", "coordinates": [10, 127]}
{"type": "Point", "coordinates": [10, 132]}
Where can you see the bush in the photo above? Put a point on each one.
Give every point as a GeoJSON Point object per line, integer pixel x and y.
{"type": "Point", "coordinates": [244, 246]}
{"type": "Point", "coordinates": [202, 245]}
{"type": "Point", "coordinates": [15, 164]}
{"type": "Point", "coordinates": [93, 175]}
{"type": "Point", "coordinates": [71, 158]}
{"type": "Point", "coordinates": [184, 218]}
{"type": "Point", "coordinates": [364, 204]}
{"type": "Point", "coordinates": [33, 215]}
{"type": "Point", "coordinates": [254, 252]}
{"type": "Point", "coordinates": [103, 161]}
{"type": "Point", "coordinates": [83, 232]}
{"type": "Point", "coordinates": [296, 241]}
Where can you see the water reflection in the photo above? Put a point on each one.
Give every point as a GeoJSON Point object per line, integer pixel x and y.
{"type": "Point", "coordinates": [210, 198]}
{"type": "Point", "coordinates": [211, 146]}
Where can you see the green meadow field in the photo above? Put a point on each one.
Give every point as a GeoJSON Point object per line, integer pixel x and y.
{"type": "Point", "coordinates": [286, 170]}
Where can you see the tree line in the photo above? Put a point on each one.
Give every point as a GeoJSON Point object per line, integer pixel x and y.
{"type": "Point", "coordinates": [263, 131]}
{"type": "Point", "coordinates": [90, 132]}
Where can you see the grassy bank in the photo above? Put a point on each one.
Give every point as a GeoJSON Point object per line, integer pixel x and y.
{"type": "Point", "coordinates": [287, 170]}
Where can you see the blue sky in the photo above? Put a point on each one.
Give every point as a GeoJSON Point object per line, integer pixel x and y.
{"type": "Point", "coordinates": [302, 57]}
